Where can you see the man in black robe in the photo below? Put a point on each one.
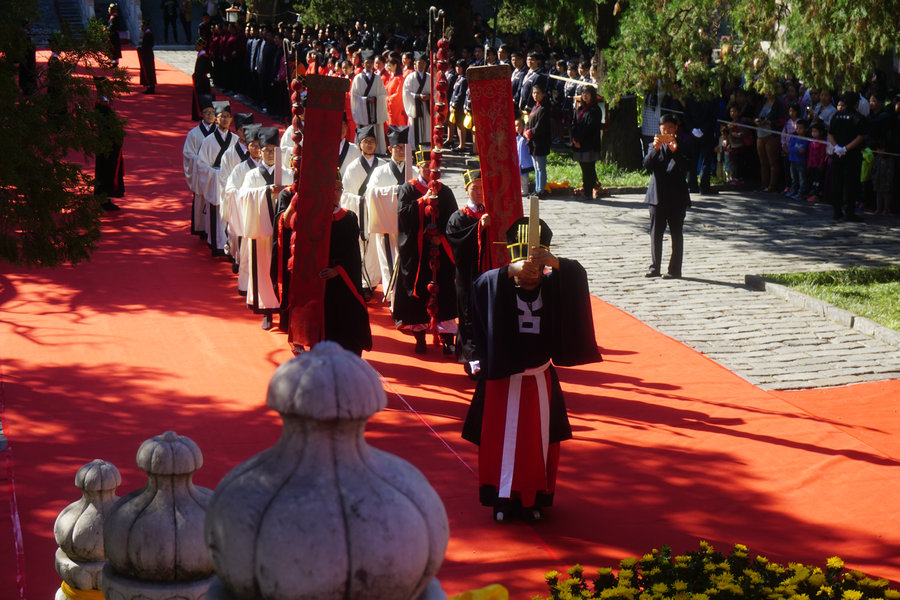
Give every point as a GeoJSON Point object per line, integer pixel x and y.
{"type": "Point", "coordinates": [146, 58]}
{"type": "Point", "coordinates": [524, 318]}
{"type": "Point", "coordinates": [422, 244]}
{"type": "Point", "coordinates": [467, 232]}
{"type": "Point", "coordinates": [346, 316]}
{"type": "Point", "coordinates": [109, 168]}
{"type": "Point", "coordinates": [200, 77]}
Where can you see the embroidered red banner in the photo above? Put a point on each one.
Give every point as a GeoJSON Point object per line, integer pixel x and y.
{"type": "Point", "coordinates": [495, 134]}
{"type": "Point", "coordinates": [313, 205]}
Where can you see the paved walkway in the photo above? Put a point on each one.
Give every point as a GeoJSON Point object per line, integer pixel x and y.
{"type": "Point", "coordinates": [761, 338]}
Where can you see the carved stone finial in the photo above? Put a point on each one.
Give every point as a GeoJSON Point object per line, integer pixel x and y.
{"type": "Point", "coordinates": [322, 514]}
{"type": "Point", "coordinates": [154, 535]}
{"type": "Point", "coordinates": [79, 527]}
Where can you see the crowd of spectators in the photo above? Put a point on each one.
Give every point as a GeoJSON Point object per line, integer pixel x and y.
{"type": "Point", "coordinates": [748, 138]}
{"type": "Point", "coordinates": [792, 141]}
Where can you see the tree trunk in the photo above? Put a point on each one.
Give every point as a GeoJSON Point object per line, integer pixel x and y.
{"type": "Point", "coordinates": [621, 143]}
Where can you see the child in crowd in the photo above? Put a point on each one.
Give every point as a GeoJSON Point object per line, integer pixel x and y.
{"type": "Point", "coordinates": [790, 127]}
{"type": "Point", "coordinates": [797, 156]}
{"type": "Point", "coordinates": [740, 139]}
{"type": "Point", "coordinates": [526, 165]}
{"type": "Point", "coordinates": [883, 178]}
{"type": "Point", "coordinates": [815, 161]}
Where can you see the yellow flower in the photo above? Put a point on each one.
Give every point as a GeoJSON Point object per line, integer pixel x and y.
{"type": "Point", "coordinates": [659, 588]}
{"type": "Point", "coordinates": [891, 595]}
{"type": "Point", "coordinates": [817, 580]}
{"type": "Point", "coordinates": [604, 571]}
{"type": "Point", "coordinates": [701, 597]}
{"type": "Point", "coordinates": [762, 560]}
{"type": "Point", "coordinates": [679, 586]}
{"type": "Point", "coordinates": [628, 563]}
{"type": "Point", "coordinates": [682, 559]}
{"type": "Point", "coordinates": [799, 597]}
{"type": "Point", "coordinates": [852, 595]}
{"type": "Point", "coordinates": [835, 563]}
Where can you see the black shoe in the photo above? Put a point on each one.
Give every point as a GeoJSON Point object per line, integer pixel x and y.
{"type": "Point", "coordinates": [149, 91]}
{"type": "Point", "coordinates": [853, 219]}
{"type": "Point", "coordinates": [447, 344]}
{"type": "Point", "coordinates": [235, 268]}
{"type": "Point", "coordinates": [216, 252]}
{"type": "Point", "coordinates": [652, 273]}
{"type": "Point", "coordinates": [421, 344]}
{"type": "Point", "coordinates": [267, 322]}
{"type": "Point", "coordinates": [108, 206]}
{"type": "Point", "coordinates": [671, 276]}
{"type": "Point", "coordinates": [708, 192]}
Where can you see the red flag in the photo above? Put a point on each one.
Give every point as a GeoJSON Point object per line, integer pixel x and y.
{"type": "Point", "coordinates": [313, 205]}
{"type": "Point", "coordinates": [495, 134]}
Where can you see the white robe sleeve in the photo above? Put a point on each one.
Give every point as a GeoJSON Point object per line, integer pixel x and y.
{"type": "Point", "coordinates": [253, 203]}
{"type": "Point", "coordinates": [208, 175]}
{"type": "Point", "coordinates": [232, 189]}
{"type": "Point", "coordinates": [381, 201]}
{"type": "Point", "coordinates": [189, 156]}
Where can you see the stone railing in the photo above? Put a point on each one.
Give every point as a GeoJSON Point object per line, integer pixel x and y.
{"type": "Point", "coordinates": [319, 515]}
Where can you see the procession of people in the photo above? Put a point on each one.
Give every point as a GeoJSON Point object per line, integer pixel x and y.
{"type": "Point", "coordinates": [400, 239]}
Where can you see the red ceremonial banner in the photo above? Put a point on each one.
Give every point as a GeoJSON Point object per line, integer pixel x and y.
{"type": "Point", "coordinates": [313, 205]}
{"type": "Point", "coordinates": [495, 134]}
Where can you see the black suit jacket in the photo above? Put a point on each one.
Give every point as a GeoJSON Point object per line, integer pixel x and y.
{"type": "Point", "coordinates": [668, 186]}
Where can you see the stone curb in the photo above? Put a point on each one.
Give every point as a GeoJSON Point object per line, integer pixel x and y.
{"type": "Point", "coordinates": [822, 308]}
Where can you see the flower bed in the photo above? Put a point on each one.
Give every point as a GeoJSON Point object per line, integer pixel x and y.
{"type": "Point", "coordinates": [707, 574]}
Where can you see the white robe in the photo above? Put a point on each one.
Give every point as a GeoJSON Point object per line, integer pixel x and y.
{"type": "Point", "coordinates": [358, 106]}
{"type": "Point", "coordinates": [230, 160]}
{"type": "Point", "coordinates": [353, 200]}
{"type": "Point", "coordinates": [353, 152]}
{"type": "Point", "coordinates": [256, 224]}
{"type": "Point", "coordinates": [232, 212]}
{"type": "Point", "coordinates": [381, 207]}
{"type": "Point", "coordinates": [287, 147]}
{"type": "Point", "coordinates": [192, 144]}
{"type": "Point", "coordinates": [210, 183]}
{"type": "Point", "coordinates": [419, 120]}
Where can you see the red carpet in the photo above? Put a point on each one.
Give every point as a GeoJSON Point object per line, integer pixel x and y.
{"type": "Point", "coordinates": [669, 447]}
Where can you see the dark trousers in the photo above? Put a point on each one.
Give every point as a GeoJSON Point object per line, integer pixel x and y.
{"type": "Point", "coordinates": [171, 21]}
{"type": "Point", "coordinates": [845, 183]}
{"type": "Point", "coordinates": [588, 177]}
{"type": "Point", "coordinates": [673, 218]}
{"type": "Point", "coordinates": [702, 157]}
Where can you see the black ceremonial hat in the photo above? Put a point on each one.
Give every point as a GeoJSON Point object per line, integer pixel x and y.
{"type": "Point", "coordinates": [205, 101]}
{"type": "Point", "coordinates": [517, 238]}
{"type": "Point", "coordinates": [251, 132]}
{"type": "Point", "coordinates": [222, 106]}
{"type": "Point", "coordinates": [268, 136]}
{"type": "Point", "coordinates": [472, 172]}
{"type": "Point", "coordinates": [364, 131]}
{"type": "Point", "coordinates": [397, 134]}
{"type": "Point", "coordinates": [423, 155]}
{"type": "Point", "coordinates": [241, 119]}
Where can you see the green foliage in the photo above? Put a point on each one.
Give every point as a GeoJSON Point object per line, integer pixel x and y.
{"type": "Point", "coordinates": [400, 13]}
{"type": "Point", "coordinates": [868, 292]}
{"type": "Point", "coordinates": [707, 574]}
{"type": "Point", "coordinates": [696, 45]}
{"type": "Point", "coordinates": [48, 214]}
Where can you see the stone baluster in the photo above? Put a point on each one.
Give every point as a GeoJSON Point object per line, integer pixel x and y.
{"type": "Point", "coordinates": [79, 531]}
{"type": "Point", "coordinates": [321, 514]}
{"type": "Point", "coordinates": [154, 535]}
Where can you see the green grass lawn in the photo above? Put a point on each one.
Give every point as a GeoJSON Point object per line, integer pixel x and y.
{"type": "Point", "coordinates": [869, 292]}
{"type": "Point", "coordinates": [561, 167]}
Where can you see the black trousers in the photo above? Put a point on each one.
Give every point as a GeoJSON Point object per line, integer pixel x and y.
{"type": "Point", "coordinates": [673, 218]}
{"type": "Point", "coordinates": [588, 177]}
{"type": "Point", "coordinates": [845, 185]}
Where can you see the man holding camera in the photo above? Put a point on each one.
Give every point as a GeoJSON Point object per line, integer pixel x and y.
{"type": "Point", "coordinates": [667, 196]}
